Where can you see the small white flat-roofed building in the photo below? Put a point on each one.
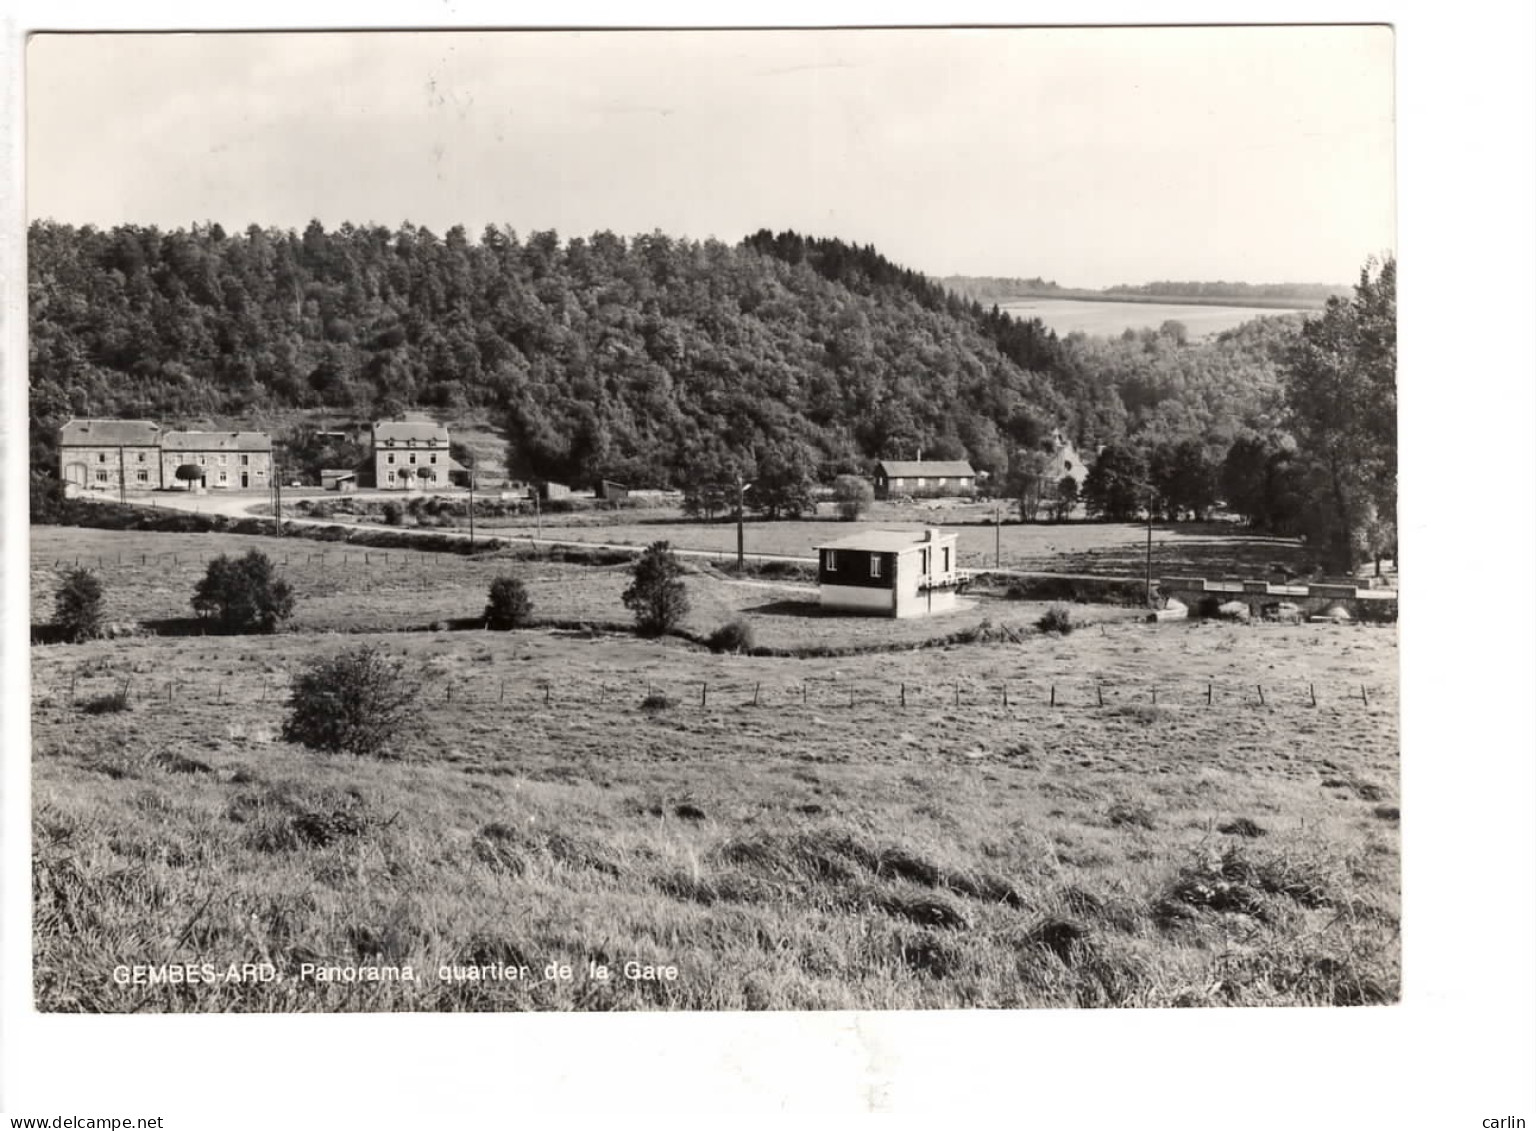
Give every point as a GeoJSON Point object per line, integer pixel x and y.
{"type": "Point", "coordinates": [893, 573]}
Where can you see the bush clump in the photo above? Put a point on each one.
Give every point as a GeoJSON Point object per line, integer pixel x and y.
{"type": "Point", "coordinates": [360, 702]}
{"type": "Point", "coordinates": [1058, 619]}
{"type": "Point", "coordinates": [733, 636]}
{"type": "Point", "coordinates": [77, 605]}
{"type": "Point", "coordinates": [394, 514]}
{"type": "Point", "coordinates": [657, 595]}
{"type": "Point", "coordinates": [509, 605]}
{"type": "Point", "coordinates": [243, 594]}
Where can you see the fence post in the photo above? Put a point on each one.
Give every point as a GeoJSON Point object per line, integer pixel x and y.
{"type": "Point", "coordinates": [546, 695]}
{"type": "Point", "coordinates": [1005, 695]}
{"type": "Point", "coordinates": [704, 694]}
{"type": "Point", "coordinates": [1312, 691]}
{"type": "Point", "coordinates": [502, 698]}
{"type": "Point", "coordinates": [756, 690]}
{"type": "Point", "coordinates": [903, 695]}
{"type": "Point", "coordinates": [1100, 689]}
{"type": "Point", "coordinates": [804, 692]}
{"type": "Point", "coordinates": [1053, 695]}
{"type": "Point", "coordinates": [1363, 699]}
{"type": "Point", "coordinates": [1260, 686]}
{"type": "Point", "coordinates": [957, 693]}
{"type": "Point", "coordinates": [1209, 694]}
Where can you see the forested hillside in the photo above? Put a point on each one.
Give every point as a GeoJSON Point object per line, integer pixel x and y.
{"type": "Point", "coordinates": [651, 360]}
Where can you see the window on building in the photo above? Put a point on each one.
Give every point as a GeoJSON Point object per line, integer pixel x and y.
{"type": "Point", "coordinates": [923, 563]}
{"type": "Point", "coordinates": [874, 565]}
{"type": "Point", "coordinates": [946, 559]}
{"type": "Point", "coordinates": [1067, 464]}
{"type": "Point", "coordinates": [223, 476]}
{"type": "Point", "coordinates": [101, 477]}
{"type": "Point", "coordinates": [245, 461]}
{"type": "Point", "coordinates": [143, 477]}
{"type": "Point", "coordinates": [223, 460]}
{"type": "Point", "coordinates": [433, 458]}
{"type": "Point", "coordinates": [141, 457]}
{"type": "Point", "coordinates": [101, 457]}
{"type": "Point", "coordinates": [942, 481]}
{"type": "Point", "coordinates": [831, 561]}
{"type": "Point", "coordinates": [391, 458]}
{"type": "Point", "coordinates": [413, 457]}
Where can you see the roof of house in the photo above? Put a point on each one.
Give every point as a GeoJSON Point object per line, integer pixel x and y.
{"type": "Point", "coordinates": [113, 433]}
{"type": "Point", "coordinates": [338, 472]}
{"type": "Point", "coordinates": [218, 441]}
{"type": "Point", "coordinates": [410, 430]}
{"type": "Point", "coordinates": [886, 541]}
{"type": "Point", "coordinates": [936, 468]}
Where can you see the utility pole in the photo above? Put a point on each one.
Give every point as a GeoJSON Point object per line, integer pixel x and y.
{"type": "Point", "coordinates": [471, 510]}
{"type": "Point", "coordinates": [277, 510]}
{"type": "Point", "coordinates": [741, 557]}
{"type": "Point", "coordinates": [997, 529]}
{"type": "Point", "coordinates": [1149, 548]}
{"type": "Point", "coordinates": [122, 476]}
{"type": "Point", "coordinates": [538, 518]}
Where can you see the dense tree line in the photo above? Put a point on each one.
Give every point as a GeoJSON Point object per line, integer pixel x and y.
{"type": "Point", "coordinates": [786, 360]}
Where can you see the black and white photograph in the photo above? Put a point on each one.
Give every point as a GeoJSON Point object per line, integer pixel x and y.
{"type": "Point", "coordinates": [834, 520]}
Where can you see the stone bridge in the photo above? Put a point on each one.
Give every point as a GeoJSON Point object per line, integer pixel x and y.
{"type": "Point", "coordinates": [1313, 600]}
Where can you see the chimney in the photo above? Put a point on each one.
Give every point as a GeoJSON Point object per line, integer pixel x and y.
{"type": "Point", "coordinates": [919, 455]}
{"type": "Point", "coordinates": [930, 535]}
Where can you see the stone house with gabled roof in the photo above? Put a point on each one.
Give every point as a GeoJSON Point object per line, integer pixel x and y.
{"type": "Point", "coordinates": [231, 461]}
{"type": "Point", "coordinates": [109, 455]}
{"type": "Point", "coordinates": [411, 453]}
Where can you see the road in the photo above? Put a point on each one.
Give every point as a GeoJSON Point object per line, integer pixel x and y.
{"type": "Point", "coordinates": [241, 506]}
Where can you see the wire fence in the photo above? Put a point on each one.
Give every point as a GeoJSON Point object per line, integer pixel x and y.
{"type": "Point", "coordinates": [820, 694]}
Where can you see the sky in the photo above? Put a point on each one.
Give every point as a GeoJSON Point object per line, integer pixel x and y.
{"type": "Point", "coordinates": [1087, 156]}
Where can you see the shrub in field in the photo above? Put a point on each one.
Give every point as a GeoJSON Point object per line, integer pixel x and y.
{"type": "Point", "coordinates": [243, 594]}
{"type": "Point", "coordinates": [733, 636]}
{"type": "Point", "coordinates": [359, 702]}
{"type": "Point", "coordinates": [1057, 618]}
{"type": "Point", "coordinates": [77, 605]}
{"type": "Point", "coordinates": [509, 605]}
{"type": "Point", "coordinates": [108, 704]}
{"type": "Point", "coordinates": [394, 515]}
{"type": "Point", "coordinates": [657, 595]}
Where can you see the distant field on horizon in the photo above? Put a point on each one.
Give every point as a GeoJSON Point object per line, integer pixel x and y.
{"type": "Point", "coordinates": [1109, 318]}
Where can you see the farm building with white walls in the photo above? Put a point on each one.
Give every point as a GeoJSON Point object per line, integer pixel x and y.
{"type": "Point", "coordinates": [919, 477]}
{"type": "Point", "coordinates": [893, 573]}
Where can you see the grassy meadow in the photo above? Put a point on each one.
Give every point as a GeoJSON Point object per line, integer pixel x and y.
{"type": "Point", "coordinates": [871, 831]}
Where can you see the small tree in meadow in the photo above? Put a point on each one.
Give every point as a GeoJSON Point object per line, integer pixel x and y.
{"type": "Point", "coordinates": [853, 494]}
{"type": "Point", "coordinates": [657, 595]}
{"type": "Point", "coordinates": [189, 473]}
{"type": "Point", "coordinates": [360, 702]}
{"type": "Point", "coordinates": [509, 605]}
{"type": "Point", "coordinates": [243, 594]}
{"type": "Point", "coordinates": [1065, 500]}
{"type": "Point", "coordinates": [77, 605]}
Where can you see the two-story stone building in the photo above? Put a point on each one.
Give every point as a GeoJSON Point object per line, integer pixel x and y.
{"type": "Point", "coordinates": [109, 455]}
{"type": "Point", "coordinates": [411, 453]}
{"type": "Point", "coordinates": [231, 461]}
